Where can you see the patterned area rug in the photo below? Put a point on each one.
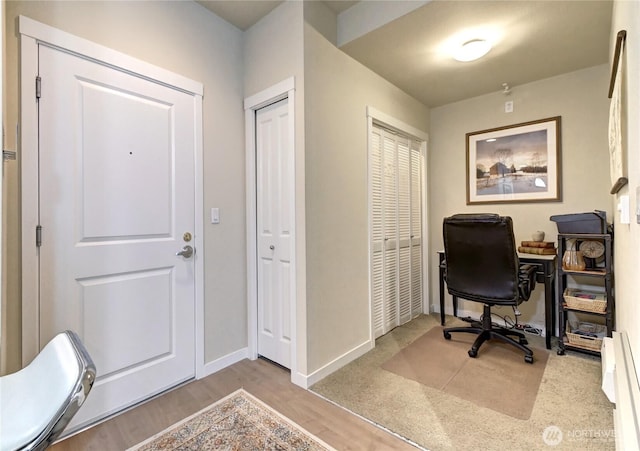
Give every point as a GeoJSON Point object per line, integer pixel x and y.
{"type": "Point", "coordinates": [237, 422]}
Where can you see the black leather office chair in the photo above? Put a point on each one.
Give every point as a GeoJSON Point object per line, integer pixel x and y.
{"type": "Point", "coordinates": [482, 265]}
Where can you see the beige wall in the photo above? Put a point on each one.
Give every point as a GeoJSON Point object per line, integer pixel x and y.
{"type": "Point", "coordinates": [580, 98]}
{"type": "Point", "coordinates": [626, 16]}
{"type": "Point", "coordinates": [337, 91]}
{"type": "Point", "coordinates": [332, 92]}
{"type": "Point", "coordinates": [273, 52]}
{"type": "Point", "coordinates": [187, 39]}
{"type": "Point", "coordinates": [273, 49]}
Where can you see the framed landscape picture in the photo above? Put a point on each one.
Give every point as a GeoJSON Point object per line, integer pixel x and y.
{"type": "Point", "coordinates": [516, 163]}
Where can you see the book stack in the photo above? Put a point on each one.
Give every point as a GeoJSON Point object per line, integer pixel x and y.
{"type": "Point", "coordinates": [537, 247]}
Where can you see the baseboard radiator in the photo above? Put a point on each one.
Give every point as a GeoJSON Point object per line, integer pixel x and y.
{"type": "Point", "coordinates": [620, 384]}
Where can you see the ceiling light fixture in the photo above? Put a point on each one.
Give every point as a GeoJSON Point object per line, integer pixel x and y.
{"type": "Point", "coordinates": [472, 50]}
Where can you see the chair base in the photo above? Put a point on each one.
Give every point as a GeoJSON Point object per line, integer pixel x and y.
{"type": "Point", "coordinates": [486, 331]}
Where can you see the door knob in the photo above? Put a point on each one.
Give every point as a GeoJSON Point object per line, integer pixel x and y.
{"type": "Point", "coordinates": [272, 247]}
{"type": "Point", "coordinates": [186, 252]}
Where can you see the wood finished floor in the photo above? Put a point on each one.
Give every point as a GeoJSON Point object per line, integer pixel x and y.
{"type": "Point", "coordinates": [264, 380]}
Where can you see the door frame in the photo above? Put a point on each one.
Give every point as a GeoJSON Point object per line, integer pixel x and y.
{"type": "Point", "coordinates": [376, 116]}
{"type": "Point", "coordinates": [3, 341]}
{"type": "Point", "coordinates": [280, 91]}
{"type": "Point", "coordinates": [33, 33]}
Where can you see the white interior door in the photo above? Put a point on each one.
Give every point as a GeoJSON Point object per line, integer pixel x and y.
{"type": "Point", "coordinates": [274, 185]}
{"type": "Point", "coordinates": [116, 187]}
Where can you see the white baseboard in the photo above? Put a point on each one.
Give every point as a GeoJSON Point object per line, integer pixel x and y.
{"type": "Point", "coordinates": [223, 362]}
{"type": "Point", "coordinates": [608, 362]}
{"type": "Point", "coordinates": [306, 381]}
{"type": "Point", "coordinates": [299, 379]}
{"type": "Point", "coordinates": [626, 415]}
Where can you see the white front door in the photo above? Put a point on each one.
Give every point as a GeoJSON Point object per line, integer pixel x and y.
{"type": "Point", "coordinates": [116, 187]}
{"type": "Point", "coordinates": [274, 187]}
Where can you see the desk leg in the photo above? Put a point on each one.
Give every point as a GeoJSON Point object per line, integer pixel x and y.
{"type": "Point", "coordinates": [549, 311]}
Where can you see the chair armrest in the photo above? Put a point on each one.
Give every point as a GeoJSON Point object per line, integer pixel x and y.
{"type": "Point", "coordinates": [527, 268]}
{"type": "Point", "coordinates": [527, 280]}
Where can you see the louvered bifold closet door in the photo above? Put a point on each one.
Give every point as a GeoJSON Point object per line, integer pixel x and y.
{"type": "Point", "coordinates": [390, 227]}
{"type": "Point", "coordinates": [395, 184]}
{"type": "Point", "coordinates": [404, 229]}
{"type": "Point", "coordinates": [416, 229]}
{"type": "Point", "coordinates": [377, 233]}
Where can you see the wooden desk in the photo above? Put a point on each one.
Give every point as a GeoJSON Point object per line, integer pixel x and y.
{"type": "Point", "coordinates": [545, 273]}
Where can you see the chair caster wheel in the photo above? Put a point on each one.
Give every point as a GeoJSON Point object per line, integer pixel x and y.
{"type": "Point", "coordinates": [528, 358]}
{"type": "Point", "coordinates": [473, 353]}
{"type": "Point", "coordinates": [447, 335]}
{"type": "Point", "coordinates": [560, 351]}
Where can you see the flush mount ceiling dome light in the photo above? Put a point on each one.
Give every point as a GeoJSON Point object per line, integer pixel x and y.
{"type": "Point", "coordinates": [472, 50]}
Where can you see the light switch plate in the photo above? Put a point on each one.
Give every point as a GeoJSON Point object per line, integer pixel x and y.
{"type": "Point", "coordinates": [215, 216]}
{"type": "Point", "coordinates": [508, 106]}
{"type": "Point", "coordinates": [623, 208]}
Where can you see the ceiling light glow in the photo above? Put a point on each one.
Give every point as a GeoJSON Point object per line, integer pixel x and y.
{"type": "Point", "coordinates": [472, 50]}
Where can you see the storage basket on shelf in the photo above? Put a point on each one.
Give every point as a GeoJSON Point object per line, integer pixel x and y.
{"type": "Point", "coordinates": [587, 335]}
{"type": "Point", "coordinates": [588, 301]}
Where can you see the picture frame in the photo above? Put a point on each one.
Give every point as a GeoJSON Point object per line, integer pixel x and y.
{"type": "Point", "coordinates": [516, 163]}
{"type": "Point", "coordinates": [617, 152]}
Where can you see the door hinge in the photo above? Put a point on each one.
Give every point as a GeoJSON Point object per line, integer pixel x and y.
{"type": "Point", "coordinates": [38, 235]}
{"type": "Point", "coordinates": [38, 87]}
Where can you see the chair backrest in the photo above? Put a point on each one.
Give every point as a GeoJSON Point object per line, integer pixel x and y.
{"type": "Point", "coordinates": [481, 259]}
{"type": "Point", "coordinates": [37, 402]}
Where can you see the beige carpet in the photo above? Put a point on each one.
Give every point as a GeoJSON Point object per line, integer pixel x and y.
{"type": "Point", "coordinates": [570, 410]}
{"type": "Point", "coordinates": [237, 422]}
{"type": "Point", "coordinates": [498, 378]}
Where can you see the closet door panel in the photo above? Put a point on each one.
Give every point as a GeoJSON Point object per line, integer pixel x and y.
{"type": "Point", "coordinates": [377, 235]}
{"type": "Point", "coordinates": [390, 214]}
{"type": "Point", "coordinates": [404, 229]}
{"type": "Point", "coordinates": [396, 254]}
{"type": "Point", "coordinates": [416, 229]}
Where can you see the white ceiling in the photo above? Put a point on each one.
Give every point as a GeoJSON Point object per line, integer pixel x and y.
{"type": "Point", "coordinates": [241, 13]}
{"type": "Point", "coordinates": [245, 13]}
{"type": "Point", "coordinates": [533, 40]}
